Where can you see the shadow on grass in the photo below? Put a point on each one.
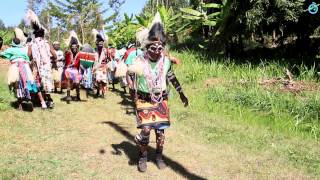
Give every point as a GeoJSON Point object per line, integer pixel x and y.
{"type": "Point", "coordinates": [131, 152]}
{"type": "Point", "coordinates": [26, 106]}
{"type": "Point", "coordinates": [126, 102]}
{"type": "Point", "coordinates": [73, 98]}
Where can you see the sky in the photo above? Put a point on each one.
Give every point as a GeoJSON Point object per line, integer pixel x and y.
{"type": "Point", "coordinates": [12, 11]}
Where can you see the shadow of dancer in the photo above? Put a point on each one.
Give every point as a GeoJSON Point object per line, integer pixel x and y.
{"type": "Point", "coordinates": [133, 156]}
{"type": "Point", "coordinates": [127, 148]}
{"type": "Point", "coordinates": [127, 102]}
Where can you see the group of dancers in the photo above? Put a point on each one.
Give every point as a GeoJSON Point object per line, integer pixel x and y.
{"type": "Point", "coordinates": [38, 68]}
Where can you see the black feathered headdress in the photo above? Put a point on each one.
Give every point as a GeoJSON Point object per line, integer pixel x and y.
{"type": "Point", "coordinates": [73, 39]}
{"type": "Point", "coordinates": [32, 20]}
{"type": "Point", "coordinates": [155, 33]}
{"type": "Point", "coordinates": [99, 36]}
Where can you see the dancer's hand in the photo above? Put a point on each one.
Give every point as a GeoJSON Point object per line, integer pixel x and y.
{"type": "Point", "coordinates": [184, 99]}
{"type": "Point", "coordinates": [175, 60]}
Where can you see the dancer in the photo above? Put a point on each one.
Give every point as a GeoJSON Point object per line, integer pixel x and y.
{"type": "Point", "coordinates": [41, 53]}
{"type": "Point", "coordinates": [72, 74]}
{"type": "Point", "coordinates": [101, 59]}
{"type": "Point", "coordinates": [20, 77]}
{"type": "Point", "coordinates": [57, 67]}
{"type": "Point", "coordinates": [151, 97]}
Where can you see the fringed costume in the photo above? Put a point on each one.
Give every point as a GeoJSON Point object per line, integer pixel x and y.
{"type": "Point", "coordinates": [72, 74]}
{"type": "Point", "coordinates": [20, 77]}
{"type": "Point", "coordinates": [101, 62]}
{"type": "Point", "coordinates": [152, 72]}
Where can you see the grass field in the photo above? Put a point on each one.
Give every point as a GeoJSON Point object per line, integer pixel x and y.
{"type": "Point", "coordinates": [235, 128]}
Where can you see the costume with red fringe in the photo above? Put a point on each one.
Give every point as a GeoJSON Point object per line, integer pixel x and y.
{"type": "Point", "coordinates": [72, 67]}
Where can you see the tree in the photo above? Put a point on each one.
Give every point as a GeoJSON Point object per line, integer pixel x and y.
{"type": "Point", "coordinates": [2, 25]}
{"type": "Point", "coordinates": [34, 5]}
{"type": "Point", "coordinates": [80, 15]}
{"type": "Point", "coordinates": [115, 6]}
{"type": "Point", "coordinates": [152, 6]}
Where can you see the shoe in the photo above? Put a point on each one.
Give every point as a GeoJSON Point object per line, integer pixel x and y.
{"type": "Point", "coordinates": [160, 163]}
{"type": "Point", "coordinates": [44, 105]}
{"type": "Point", "coordinates": [20, 108]}
{"type": "Point", "coordinates": [68, 99]}
{"type": "Point", "coordinates": [142, 165]}
{"type": "Point", "coordinates": [50, 104]}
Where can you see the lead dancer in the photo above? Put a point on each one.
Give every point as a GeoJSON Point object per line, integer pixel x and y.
{"type": "Point", "coordinates": [152, 111]}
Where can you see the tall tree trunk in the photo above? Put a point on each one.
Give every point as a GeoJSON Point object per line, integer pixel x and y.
{"type": "Point", "coordinates": [274, 36]}
{"type": "Point", "coordinates": [82, 32]}
{"type": "Point", "coordinates": [58, 33]}
{"type": "Point", "coordinates": [49, 28]}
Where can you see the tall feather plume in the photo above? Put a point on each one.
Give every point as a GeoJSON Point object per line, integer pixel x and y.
{"type": "Point", "coordinates": [156, 19]}
{"type": "Point", "coordinates": [99, 35]}
{"type": "Point", "coordinates": [94, 34]}
{"type": "Point", "coordinates": [104, 36]}
{"type": "Point", "coordinates": [155, 32]}
{"type": "Point", "coordinates": [20, 35]}
{"type": "Point", "coordinates": [73, 36]}
{"type": "Point", "coordinates": [31, 19]}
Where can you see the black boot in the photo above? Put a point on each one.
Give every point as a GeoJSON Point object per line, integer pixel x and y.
{"type": "Point", "coordinates": [98, 92]}
{"type": "Point", "coordinates": [159, 161]}
{"type": "Point", "coordinates": [50, 103]}
{"type": "Point", "coordinates": [142, 165]}
{"type": "Point", "coordinates": [78, 94]}
{"type": "Point", "coordinates": [68, 99]}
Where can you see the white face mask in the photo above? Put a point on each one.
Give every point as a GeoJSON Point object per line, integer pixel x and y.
{"type": "Point", "coordinates": [156, 48]}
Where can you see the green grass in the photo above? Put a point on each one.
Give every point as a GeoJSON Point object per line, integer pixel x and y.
{"type": "Point", "coordinates": [246, 115]}
{"type": "Point", "coordinates": [5, 96]}
{"type": "Point", "coordinates": [262, 131]}
{"type": "Point", "coordinates": [236, 92]}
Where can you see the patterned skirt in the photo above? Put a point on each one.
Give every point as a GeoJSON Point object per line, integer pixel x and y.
{"type": "Point", "coordinates": [45, 77]}
{"type": "Point", "coordinates": [154, 115]}
{"type": "Point", "coordinates": [73, 74]}
{"type": "Point", "coordinates": [21, 79]}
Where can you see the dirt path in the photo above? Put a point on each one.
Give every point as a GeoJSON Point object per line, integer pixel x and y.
{"type": "Point", "coordinates": [94, 140]}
